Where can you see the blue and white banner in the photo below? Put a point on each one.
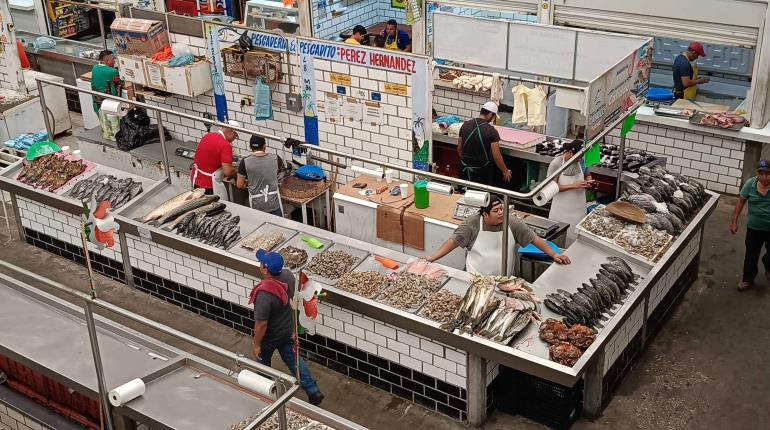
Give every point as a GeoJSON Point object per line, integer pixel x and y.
{"type": "Point", "coordinates": [217, 70]}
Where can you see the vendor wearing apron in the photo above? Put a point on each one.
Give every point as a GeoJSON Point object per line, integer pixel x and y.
{"type": "Point", "coordinates": [395, 38]}
{"type": "Point", "coordinates": [685, 71]}
{"type": "Point", "coordinates": [480, 235]}
{"type": "Point", "coordinates": [259, 172]}
{"type": "Point", "coordinates": [479, 148]}
{"type": "Point", "coordinates": [213, 161]}
{"type": "Point", "coordinates": [569, 205]}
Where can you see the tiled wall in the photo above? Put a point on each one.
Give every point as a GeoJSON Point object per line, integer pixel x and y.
{"type": "Point", "coordinates": [664, 284]}
{"type": "Point", "coordinates": [465, 104]}
{"type": "Point", "coordinates": [14, 419]}
{"type": "Point", "coordinates": [390, 142]}
{"type": "Point", "coordinates": [358, 12]}
{"type": "Point", "coordinates": [714, 160]}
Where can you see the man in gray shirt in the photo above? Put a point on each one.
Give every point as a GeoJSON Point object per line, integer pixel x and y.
{"type": "Point", "coordinates": [259, 172]}
{"type": "Point", "coordinates": [274, 323]}
{"type": "Point", "coordinates": [480, 236]}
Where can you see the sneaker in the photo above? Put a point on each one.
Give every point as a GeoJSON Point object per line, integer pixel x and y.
{"type": "Point", "coordinates": [316, 398]}
{"type": "Point", "coordinates": [743, 286]}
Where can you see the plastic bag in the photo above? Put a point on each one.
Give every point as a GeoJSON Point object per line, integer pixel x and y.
{"type": "Point", "coordinates": [181, 60]}
{"type": "Point", "coordinates": [43, 42]}
{"type": "Point", "coordinates": [135, 130]}
{"type": "Point", "coordinates": [263, 101]}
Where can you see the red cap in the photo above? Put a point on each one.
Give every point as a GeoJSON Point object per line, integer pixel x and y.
{"type": "Point", "coordinates": [697, 48]}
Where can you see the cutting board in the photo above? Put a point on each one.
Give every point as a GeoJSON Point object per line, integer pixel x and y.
{"type": "Point", "coordinates": [702, 107]}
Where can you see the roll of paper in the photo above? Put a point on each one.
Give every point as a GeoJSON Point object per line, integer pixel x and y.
{"type": "Point", "coordinates": [476, 198]}
{"type": "Point", "coordinates": [546, 194]}
{"type": "Point", "coordinates": [369, 172]}
{"type": "Point", "coordinates": [256, 383]}
{"type": "Point", "coordinates": [114, 107]}
{"type": "Point", "coordinates": [439, 188]}
{"type": "Point", "coordinates": [126, 392]}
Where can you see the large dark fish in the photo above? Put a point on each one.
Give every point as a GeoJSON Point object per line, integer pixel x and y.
{"type": "Point", "coordinates": [622, 262]}
{"type": "Point", "coordinates": [619, 281]}
{"type": "Point", "coordinates": [208, 209]}
{"type": "Point", "coordinates": [172, 203]}
{"type": "Point", "coordinates": [182, 209]}
{"type": "Point", "coordinates": [604, 291]}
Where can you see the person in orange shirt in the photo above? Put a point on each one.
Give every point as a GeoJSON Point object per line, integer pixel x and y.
{"type": "Point", "coordinates": [359, 32]}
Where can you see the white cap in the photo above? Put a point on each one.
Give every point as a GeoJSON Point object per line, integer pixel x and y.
{"type": "Point", "coordinates": [238, 124]}
{"type": "Point", "coordinates": [491, 107]}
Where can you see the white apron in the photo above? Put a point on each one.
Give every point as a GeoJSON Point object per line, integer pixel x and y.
{"type": "Point", "coordinates": [485, 255]}
{"type": "Point", "coordinates": [569, 206]}
{"type": "Point", "coordinates": [264, 193]}
{"type": "Point", "coordinates": [216, 180]}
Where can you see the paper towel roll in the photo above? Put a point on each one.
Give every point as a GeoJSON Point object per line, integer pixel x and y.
{"type": "Point", "coordinates": [114, 107]}
{"type": "Point", "coordinates": [369, 172]}
{"type": "Point", "coordinates": [126, 392]}
{"type": "Point", "coordinates": [476, 198]}
{"type": "Point", "coordinates": [258, 384]}
{"type": "Point", "coordinates": [439, 188]}
{"type": "Point", "coordinates": [546, 194]}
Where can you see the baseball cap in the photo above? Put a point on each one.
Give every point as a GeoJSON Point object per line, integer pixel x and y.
{"type": "Point", "coordinates": [573, 147]}
{"type": "Point", "coordinates": [234, 123]}
{"type": "Point", "coordinates": [697, 48]}
{"type": "Point", "coordinates": [491, 107]}
{"type": "Point", "coordinates": [763, 166]}
{"type": "Point", "coordinates": [272, 261]}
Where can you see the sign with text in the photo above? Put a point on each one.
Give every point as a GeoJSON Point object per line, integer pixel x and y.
{"type": "Point", "coordinates": [350, 54]}
{"type": "Point", "coordinates": [395, 89]}
{"type": "Point", "coordinates": [340, 79]}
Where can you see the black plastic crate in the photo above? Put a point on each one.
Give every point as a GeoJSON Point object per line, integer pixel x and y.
{"type": "Point", "coordinates": [550, 404]}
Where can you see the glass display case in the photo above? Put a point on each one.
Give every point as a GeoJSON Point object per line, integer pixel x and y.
{"type": "Point", "coordinates": [272, 15]}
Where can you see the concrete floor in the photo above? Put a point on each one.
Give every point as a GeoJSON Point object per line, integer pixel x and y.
{"type": "Point", "coordinates": [706, 369]}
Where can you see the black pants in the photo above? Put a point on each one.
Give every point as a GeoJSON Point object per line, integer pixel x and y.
{"type": "Point", "coordinates": [480, 175]}
{"type": "Point", "coordinates": [755, 239]}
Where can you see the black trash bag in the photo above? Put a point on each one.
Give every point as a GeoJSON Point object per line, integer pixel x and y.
{"type": "Point", "coordinates": [136, 130]}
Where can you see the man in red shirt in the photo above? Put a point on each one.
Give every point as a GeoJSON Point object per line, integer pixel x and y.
{"type": "Point", "coordinates": [213, 161]}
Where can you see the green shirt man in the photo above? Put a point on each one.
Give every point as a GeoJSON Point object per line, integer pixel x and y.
{"type": "Point", "coordinates": [105, 77]}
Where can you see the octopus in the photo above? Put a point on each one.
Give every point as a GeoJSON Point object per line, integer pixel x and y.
{"type": "Point", "coordinates": [581, 336]}
{"type": "Point", "coordinates": [553, 331]}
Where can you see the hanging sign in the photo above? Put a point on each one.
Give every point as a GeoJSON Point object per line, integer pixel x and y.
{"type": "Point", "coordinates": [340, 79]}
{"type": "Point", "coordinates": [372, 114]}
{"type": "Point", "coordinates": [396, 89]}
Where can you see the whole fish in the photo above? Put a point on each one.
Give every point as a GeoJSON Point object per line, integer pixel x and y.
{"type": "Point", "coordinates": [620, 282]}
{"type": "Point", "coordinates": [214, 207]}
{"type": "Point", "coordinates": [183, 208]}
{"type": "Point", "coordinates": [172, 203]}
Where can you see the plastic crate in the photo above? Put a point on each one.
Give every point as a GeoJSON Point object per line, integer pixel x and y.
{"type": "Point", "coordinates": [553, 405]}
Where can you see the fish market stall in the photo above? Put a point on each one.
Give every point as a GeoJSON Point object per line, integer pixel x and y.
{"type": "Point", "coordinates": [67, 59]}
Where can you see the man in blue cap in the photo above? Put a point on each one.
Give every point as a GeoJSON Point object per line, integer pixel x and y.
{"type": "Point", "coordinates": [273, 320]}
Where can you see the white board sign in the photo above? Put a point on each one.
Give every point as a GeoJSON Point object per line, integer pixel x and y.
{"type": "Point", "coordinates": [541, 50]}
{"type": "Point", "coordinates": [598, 52]}
{"type": "Point", "coordinates": [470, 40]}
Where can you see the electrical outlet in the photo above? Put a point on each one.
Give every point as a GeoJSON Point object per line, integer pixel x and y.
{"type": "Point", "coordinates": [293, 102]}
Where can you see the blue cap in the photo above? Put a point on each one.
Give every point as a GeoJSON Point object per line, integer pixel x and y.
{"type": "Point", "coordinates": [763, 166]}
{"type": "Point", "coordinates": [272, 261]}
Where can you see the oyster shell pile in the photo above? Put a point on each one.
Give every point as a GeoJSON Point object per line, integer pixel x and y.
{"type": "Point", "coordinates": [294, 421]}
{"type": "Point", "coordinates": [364, 284]}
{"type": "Point", "coordinates": [293, 257]}
{"type": "Point", "coordinates": [262, 241]}
{"type": "Point", "coordinates": [602, 224]}
{"type": "Point", "coordinates": [332, 264]}
{"type": "Point", "coordinates": [408, 291]}
{"type": "Point", "coordinates": [643, 240]}
{"type": "Point", "coordinates": [441, 306]}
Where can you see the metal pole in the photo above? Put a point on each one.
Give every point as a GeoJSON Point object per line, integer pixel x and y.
{"type": "Point", "coordinates": [621, 158]}
{"type": "Point", "coordinates": [273, 408]}
{"type": "Point", "coordinates": [280, 390]}
{"type": "Point", "coordinates": [92, 335]}
{"type": "Point", "coordinates": [504, 263]}
{"type": "Point", "coordinates": [127, 270]}
{"type": "Point", "coordinates": [48, 127]}
{"type": "Point", "coordinates": [101, 28]}
{"type": "Point", "coordinates": [162, 135]}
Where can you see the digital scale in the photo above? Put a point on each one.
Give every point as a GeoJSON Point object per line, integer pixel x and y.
{"type": "Point", "coordinates": [463, 211]}
{"type": "Point", "coordinates": [189, 153]}
{"type": "Point", "coordinates": [541, 226]}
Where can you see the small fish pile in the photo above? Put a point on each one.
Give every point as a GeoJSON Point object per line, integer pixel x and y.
{"type": "Point", "coordinates": [106, 187]}
{"type": "Point", "coordinates": [602, 223]}
{"type": "Point", "coordinates": [511, 316]}
{"type": "Point", "coordinates": [364, 284]}
{"type": "Point", "coordinates": [567, 344]}
{"type": "Point", "coordinates": [293, 257]}
{"type": "Point", "coordinates": [644, 240]}
{"type": "Point", "coordinates": [332, 264]}
{"type": "Point", "coordinates": [262, 241]}
{"type": "Point", "coordinates": [496, 318]}
{"type": "Point", "coordinates": [50, 172]}
{"type": "Point", "coordinates": [441, 306]}
{"type": "Point", "coordinates": [220, 230]}
{"type": "Point", "coordinates": [294, 421]}
{"type": "Point", "coordinates": [408, 291]}
{"type": "Point", "coordinates": [590, 302]}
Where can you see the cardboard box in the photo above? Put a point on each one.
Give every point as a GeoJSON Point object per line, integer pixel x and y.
{"type": "Point", "coordinates": [139, 36]}
{"type": "Point", "coordinates": [191, 80]}
{"type": "Point", "coordinates": [155, 76]}
{"type": "Point", "coordinates": [131, 69]}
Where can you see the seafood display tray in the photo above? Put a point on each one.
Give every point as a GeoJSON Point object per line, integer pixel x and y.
{"type": "Point", "coordinates": [379, 299]}
{"type": "Point", "coordinates": [266, 228]}
{"type": "Point", "coordinates": [106, 170]}
{"type": "Point", "coordinates": [297, 242]}
{"type": "Point", "coordinates": [698, 116]}
{"type": "Point", "coordinates": [370, 264]}
{"type": "Point", "coordinates": [355, 252]}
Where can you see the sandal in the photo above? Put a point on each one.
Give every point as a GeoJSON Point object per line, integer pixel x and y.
{"type": "Point", "coordinates": [743, 286]}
